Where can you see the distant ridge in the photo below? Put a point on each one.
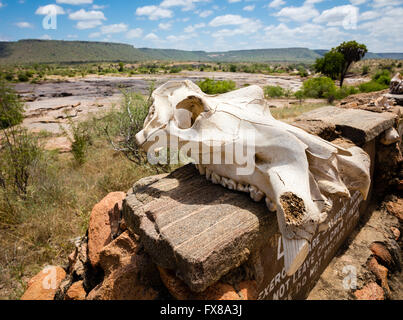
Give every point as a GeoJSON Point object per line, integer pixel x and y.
{"type": "Point", "coordinates": [59, 51]}
{"type": "Point", "coordinates": [371, 55]}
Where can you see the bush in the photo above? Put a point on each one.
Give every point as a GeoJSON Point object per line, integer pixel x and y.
{"type": "Point", "coordinates": [210, 86]}
{"type": "Point", "coordinates": [175, 70]}
{"type": "Point", "coordinates": [372, 86]}
{"type": "Point", "coordinates": [20, 152]}
{"type": "Point", "coordinates": [382, 77]}
{"type": "Point", "coordinates": [22, 77]}
{"type": "Point", "coordinates": [345, 91]}
{"type": "Point", "coordinates": [322, 87]}
{"type": "Point", "coordinates": [380, 81]}
{"type": "Point", "coordinates": [273, 91]}
{"type": "Point", "coordinates": [11, 109]}
{"type": "Point", "coordinates": [365, 70]}
{"type": "Point", "coordinates": [80, 138]}
{"type": "Point", "coordinates": [302, 72]}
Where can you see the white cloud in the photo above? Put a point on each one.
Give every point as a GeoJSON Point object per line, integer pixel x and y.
{"type": "Point", "coordinates": [276, 3]}
{"type": "Point", "coordinates": [384, 3]}
{"type": "Point", "coordinates": [369, 15]}
{"type": "Point", "coordinates": [307, 35]}
{"type": "Point", "coordinates": [385, 34]}
{"type": "Point", "coordinates": [357, 2]}
{"type": "Point", "coordinates": [88, 24]}
{"type": "Point", "coordinates": [46, 37]}
{"type": "Point", "coordinates": [134, 33]}
{"type": "Point", "coordinates": [165, 26]}
{"type": "Point", "coordinates": [185, 4]}
{"type": "Point", "coordinates": [190, 29]}
{"type": "Point", "coordinates": [182, 37]}
{"type": "Point", "coordinates": [228, 19]}
{"type": "Point", "coordinates": [299, 14]}
{"type": "Point", "coordinates": [249, 8]}
{"type": "Point", "coordinates": [346, 16]}
{"type": "Point", "coordinates": [245, 26]}
{"type": "Point", "coordinates": [114, 28]}
{"type": "Point", "coordinates": [98, 7]}
{"type": "Point", "coordinates": [74, 2]}
{"type": "Point", "coordinates": [50, 8]}
{"type": "Point", "coordinates": [234, 1]}
{"type": "Point", "coordinates": [24, 25]}
{"type": "Point", "coordinates": [151, 37]}
{"type": "Point", "coordinates": [205, 13]}
{"type": "Point", "coordinates": [154, 12]}
{"type": "Point", "coordinates": [87, 15]}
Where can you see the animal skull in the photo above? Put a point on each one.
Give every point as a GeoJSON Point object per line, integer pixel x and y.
{"type": "Point", "coordinates": [293, 171]}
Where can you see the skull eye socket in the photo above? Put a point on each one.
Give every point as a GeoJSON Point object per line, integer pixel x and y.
{"type": "Point", "coordinates": [187, 112]}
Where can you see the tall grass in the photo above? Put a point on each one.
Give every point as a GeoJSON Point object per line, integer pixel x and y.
{"type": "Point", "coordinates": [39, 220]}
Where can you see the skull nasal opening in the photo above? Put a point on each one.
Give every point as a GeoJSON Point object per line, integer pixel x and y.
{"type": "Point", "coordinates": [187, 111]}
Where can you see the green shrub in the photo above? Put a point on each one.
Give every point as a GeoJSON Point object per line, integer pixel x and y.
{"type": "Point", "coordinates": [80, 137]}
{"type": "Point", "coordinates": [322, 87]}
{"type": "Point", "coordinates": [11, 108]}
{"type": "Point", "coordinates": [299, 95]}
{"type": "Point", "coordinates": [345, 91]}
{"type": "Point", "coordinates": [372, 86]}
{"type": "Point", "coordinates": [273, 92]}
{"type": "Point", "coordinates": [302, 72]}
{"type": "Point", "coordinates": [382, 77]}
{"type": "Point", "coordinates": [365, 70]}
{"type": "Point", "coordinates": [175, 70]}
{"type": "Point", "coordinates": [20, 152]}
{"type": "Point", "coordinates": [233, 68]}
{"type": "Point", "coordinates": [121, 67]}
{"type": "Point", "coordinates": [380, 81]}
{"type": "Point", "coordinates": [22, 77]}
{"type": "Point", "coordinates": [210, 86]}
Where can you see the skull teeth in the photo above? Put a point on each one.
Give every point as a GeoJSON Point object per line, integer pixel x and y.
{"type": "Point", "coordinates": [256, 194]}
{"type": "Point", "coordinates": [215, 178]}
{"type": "Point", "coordinates": [271, 205]}
{"type": "Point", "coordinates": [230, 184]}
{"type": "Point", "coordinates": [242, 188]}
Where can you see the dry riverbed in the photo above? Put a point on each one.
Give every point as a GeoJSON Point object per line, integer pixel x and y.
{"type": "Point", "coordinates": [49, 104]}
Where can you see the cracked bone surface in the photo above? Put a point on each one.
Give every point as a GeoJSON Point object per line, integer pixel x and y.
{"type": "Point", "coordinates": [237, 143]}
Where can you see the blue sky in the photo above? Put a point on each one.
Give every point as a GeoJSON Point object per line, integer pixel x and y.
{"type": "Point", "coordinates": [209, 25]}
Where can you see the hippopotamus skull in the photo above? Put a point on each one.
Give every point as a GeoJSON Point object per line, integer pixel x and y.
{"type": "Point", "coordinates": [293, 171]}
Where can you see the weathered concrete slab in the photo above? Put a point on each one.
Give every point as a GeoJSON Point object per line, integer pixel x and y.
{"type": "Point", "coordinates": [200, 230]}
{"type": "Point", "coordinates": [359, 126]}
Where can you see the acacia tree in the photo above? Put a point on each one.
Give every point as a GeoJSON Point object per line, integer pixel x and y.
{"type": "Point", "coordinates": [338, 61]}
{"type": "Point", "coordinates": [352, 52]}
{"type": "Point", "coordinates": [331, 64]}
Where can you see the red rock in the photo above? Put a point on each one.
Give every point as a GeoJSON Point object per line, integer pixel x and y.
{"type": "Point", "coordinates": [126, 272]}
{"type": "Point", "coordinates": [396, 208]}
{"type": "Point", "coordinates": [370, 291]}
{"type": "Point", "coordinates": [396, 233]}
{"type": "Point", "coordinates": [104, 218]}
{"type": "Point", "coordinates": [45, 284]}
{"type": "Point", "coordinates": [76, 292]}
{"type": "Point", "coordinates": [380, 272]}
{"type": "Point", "coordinates": [382, 254]}
{"type": "Point", "coordinates": [219, 291]}
{"type": "Point", "coordinates": [248, 290]}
